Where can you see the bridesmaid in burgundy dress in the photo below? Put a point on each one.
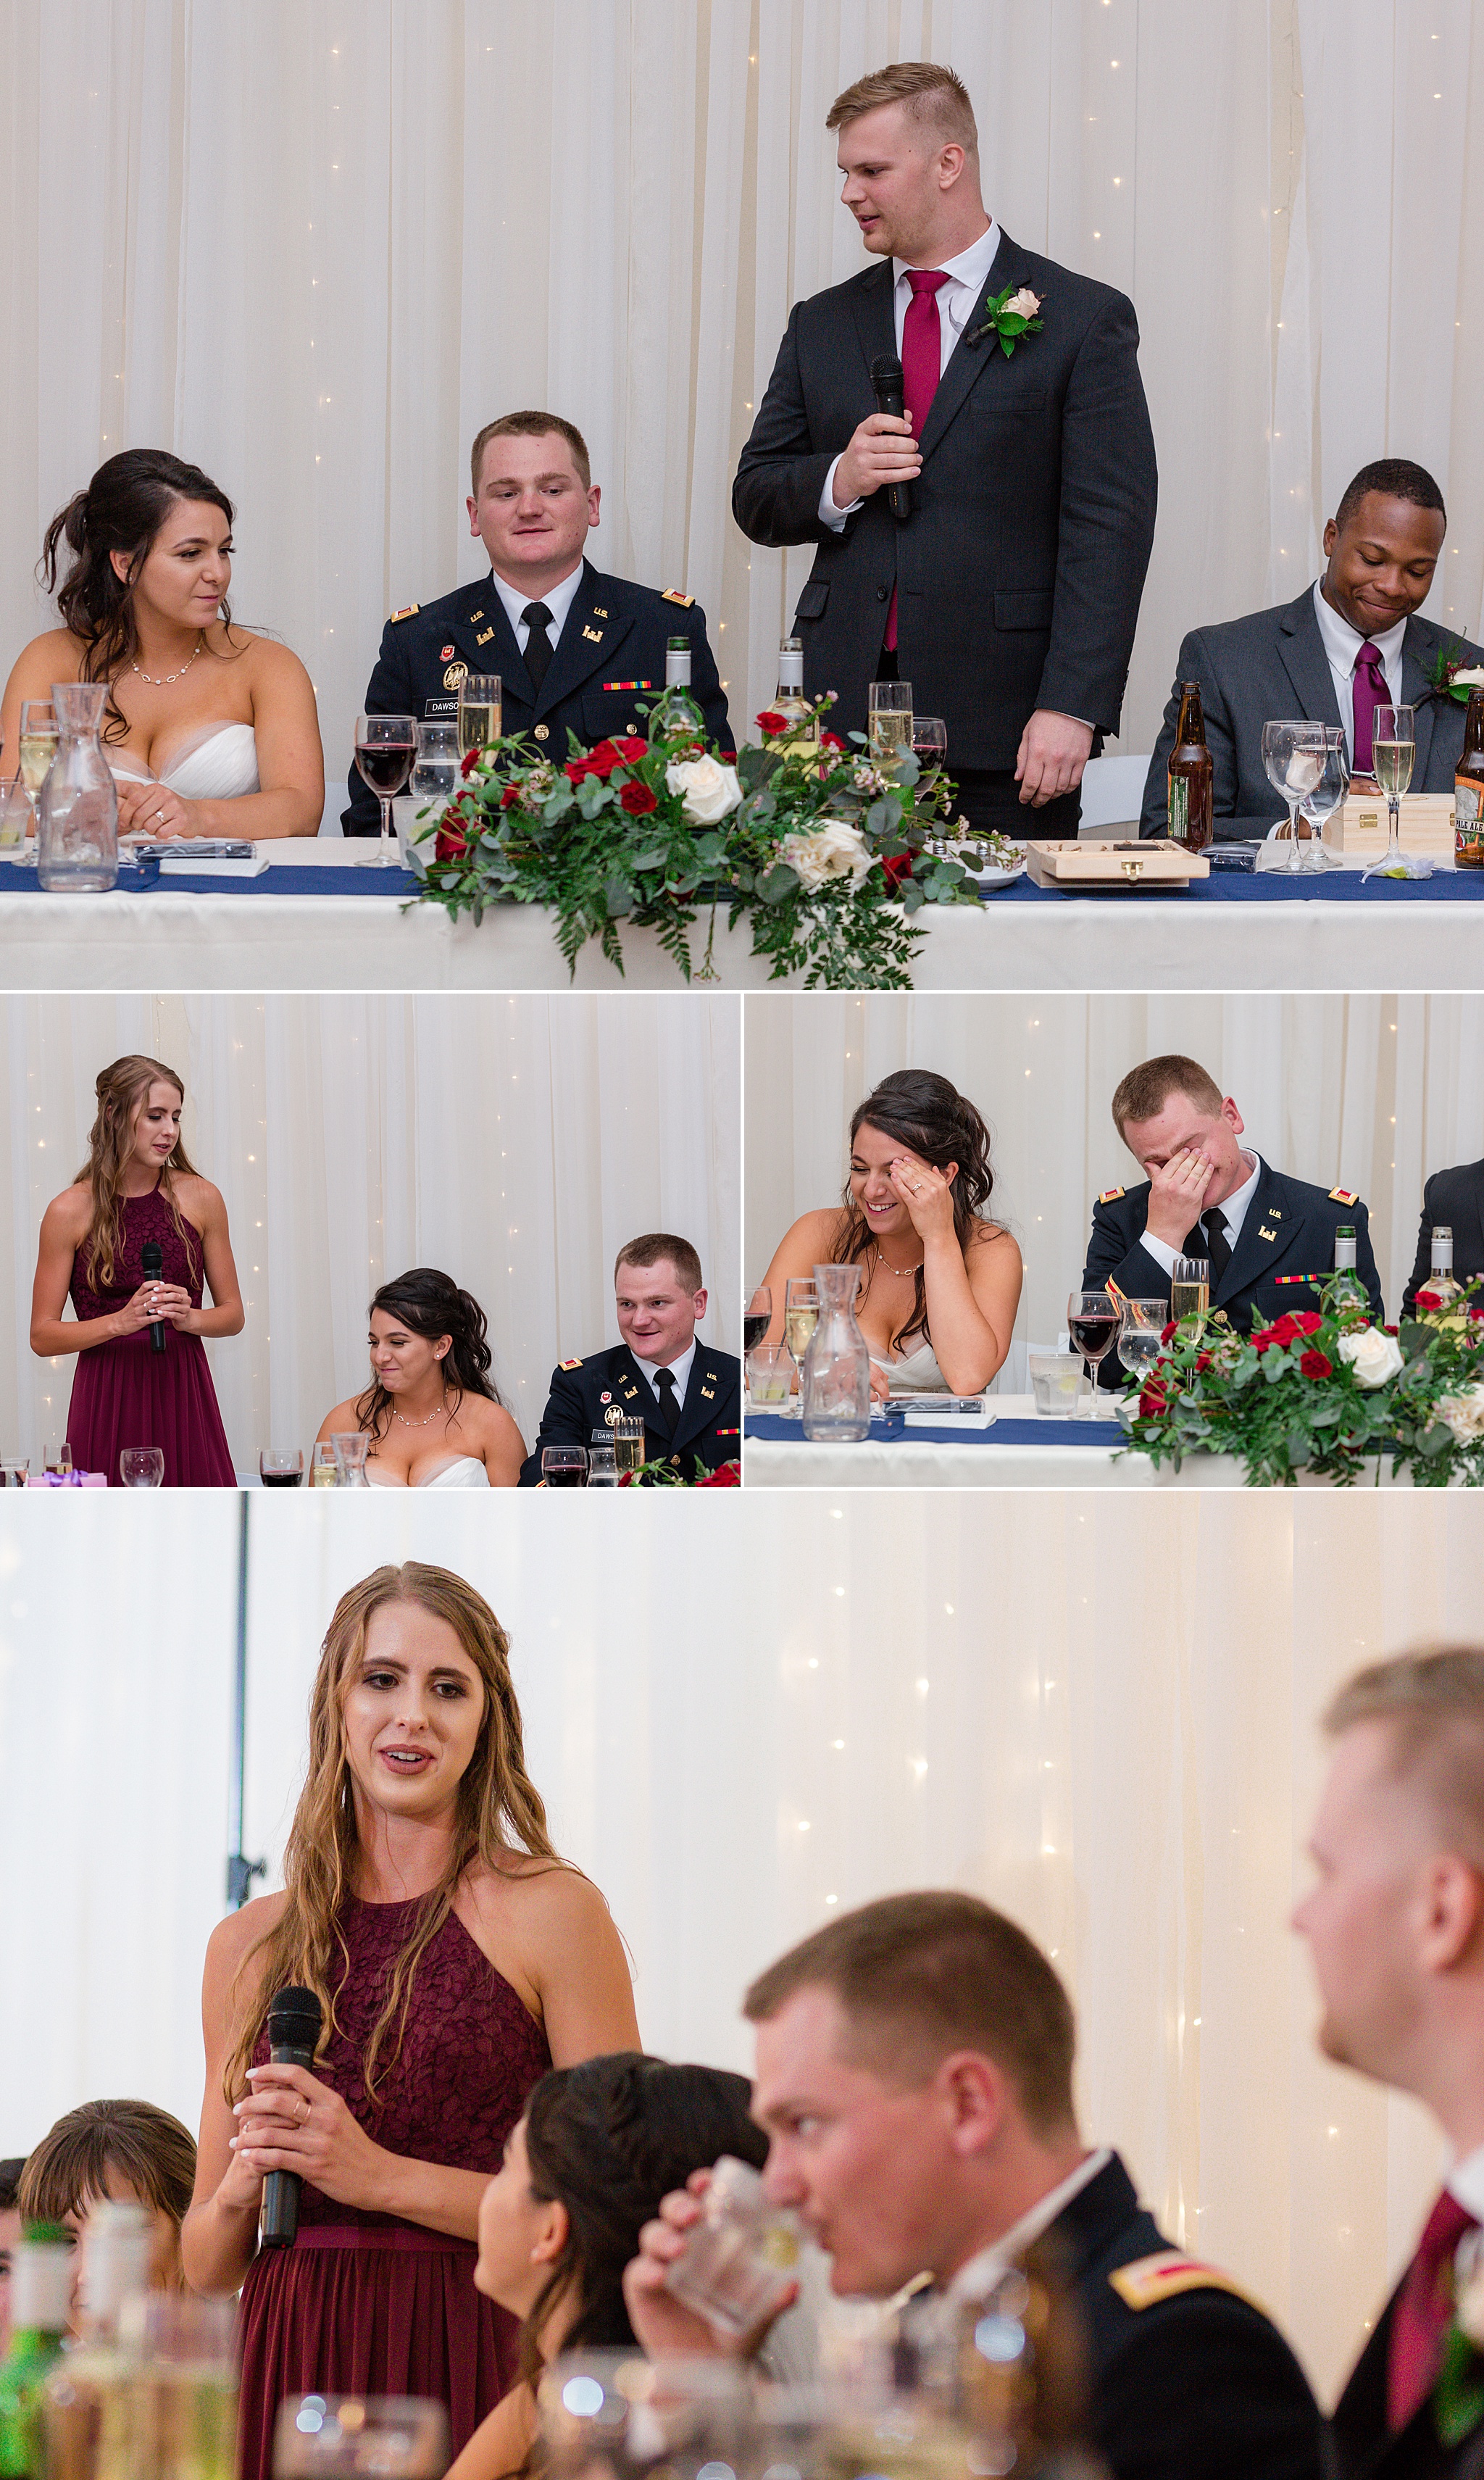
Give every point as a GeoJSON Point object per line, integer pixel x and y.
{"type": "Point", "coordinates": [139, 1186]}
{"type": "Point", "coordinates": [455, 1957]}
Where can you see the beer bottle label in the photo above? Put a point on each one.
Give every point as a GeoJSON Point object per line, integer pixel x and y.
{"type": "Point", "coordinates": [1179, 806]}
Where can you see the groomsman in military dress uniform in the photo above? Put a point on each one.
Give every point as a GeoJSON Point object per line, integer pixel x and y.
{"type": "Point", "coordinates": [688, 1397]}
{"type": "Point", "coordinates": [1267, 1239]}
{"type": "Point", "coordinates": [573, 649]}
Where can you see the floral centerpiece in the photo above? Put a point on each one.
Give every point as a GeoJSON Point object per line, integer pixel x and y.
{"type": "Point", "coordinates": [793, 835]}
{"type": "Point", "coordinates": [1321, 1391]}
{"type": "Point", "coordinates": [666, 1472]}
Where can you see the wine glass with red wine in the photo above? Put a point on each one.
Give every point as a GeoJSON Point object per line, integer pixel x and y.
{"type": "Point", "coordinates": [564, 1467]}
{"type": "Point", "coordinates": [385, 748]}
{"type": "Point", "coordinates": [757, 1318]}
{"type": "Point", "coordinates": [1092, 1323]}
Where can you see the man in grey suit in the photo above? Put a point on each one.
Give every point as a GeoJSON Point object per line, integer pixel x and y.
{"type": "Point", "coordinates": [1008, 592]}
{"type": "Point", "coordinates": [1349, 644]}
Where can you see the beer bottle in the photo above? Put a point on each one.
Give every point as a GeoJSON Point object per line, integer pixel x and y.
{"type": "Point", "coordinates": [1469, 789]}
{"type": "Point", "coordinates": [1190, 774]}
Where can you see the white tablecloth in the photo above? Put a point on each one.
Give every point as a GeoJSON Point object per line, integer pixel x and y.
{"type": "Point", "coordinates": [979, 1463]}
{"type": "Point", "coordinates": [172, 940]}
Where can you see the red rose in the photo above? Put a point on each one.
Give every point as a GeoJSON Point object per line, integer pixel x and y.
{"type": "Point", "coordinates": [1152, 1400]}
{"type": "Point", "coordinates": [771, 724]}
{"type": "Point", "coordinates": [896, 869]}
{"type": "Point", "coordinates": [451, 842]}
{"type": "Point", "coordinates": [638, 800]}
{"type": "Point", "coordinates": [1264, 1339]}
{"type": "Point", "coordinates": [833, 741]}
{"type": "Point", "coordinates": [728, 1475]}
{"type": "Point", "coordinates": [1285, 1330]}
{"type": "Point", "coordinates": [1306, 1322]}
{"type": "Point", "coordinates": [1167, 1334]}
{"type": "Point", "coordinates": [510, 795]}
{"type": "Point", "coordinates": [1429, 1300]}
{"type": "Point", "coordinates": [1203, 1360]}
{"type": "Point", "coordinates": [1317, 1364]}
{"type": "Point", "coordinates": [470, 761]}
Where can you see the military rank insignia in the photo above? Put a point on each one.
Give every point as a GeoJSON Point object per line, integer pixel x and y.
{"type": "Point", "coordinates": [1345, 1196]}
{"type": "Point", "coordinates": [407, 610]}
{"type": "Point", "coordinates": [1167, 2275]}
{"type": "Point", "coordinates": [571, 1364]}
{"type": "Point", "coordinates": [453, 679]}
{"type": "Point", "coordinates": [673, 594]}
{"type": "Point", "coordinates": [1106, 1196]}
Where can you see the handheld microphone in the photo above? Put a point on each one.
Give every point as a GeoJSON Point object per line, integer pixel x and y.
{"type": "Point", "coordinates": [152, 1259]}
{"type": "Point", "coordinates": [886, 380]}
{"type": "Point", "coordinates": [294, 2020]}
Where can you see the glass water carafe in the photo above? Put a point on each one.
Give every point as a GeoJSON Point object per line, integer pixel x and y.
{"type": "Point", "coordinates": [77, 808]}
{"type": "Point", "coordinates": [836, 1367]}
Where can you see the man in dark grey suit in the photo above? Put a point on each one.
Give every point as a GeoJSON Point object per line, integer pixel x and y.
{"type": "Point", "coordinates": [1454, 1198]}
{"type": "Point", "coordinates": [1349, 642]}
{"type": "Point", "coordinates": [1008, 594]}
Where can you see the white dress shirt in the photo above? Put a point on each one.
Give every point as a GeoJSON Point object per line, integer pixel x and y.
{"type": "Point", "coordinates": [1231, 1210]}
{"type": "Point", "coordinates": [679, 1371]}
{"type": "Point", "coordinates": [558, 600]}
{"type": "Point", "coordinates": [956, 299]}
{"type": "Point", "coordinates": [983, 2271]}
{"type": "Point", "coordinates": [1342, 647]}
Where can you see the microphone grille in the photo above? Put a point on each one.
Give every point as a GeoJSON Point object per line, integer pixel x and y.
{"type": "Point", "coordinates": [886, 372]}
{"type": "Point", "coordinates": [295, 2016]}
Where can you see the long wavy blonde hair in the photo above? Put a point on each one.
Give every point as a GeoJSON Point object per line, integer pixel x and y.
{"type": "Point", "coordinates": [123, 1090]}
{"type": "Point", "coordinates": [499, 1812]}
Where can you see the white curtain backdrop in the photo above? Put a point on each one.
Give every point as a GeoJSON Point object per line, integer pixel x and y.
{"type": "Point", "coordinates": [1366, 1092]}
{"type": "Point", "coordinates": [517, 1143]}
{"type": "Point", "coordinates": [1100, 1717]}
{"type": "Point", "coordinates": [313, 245]}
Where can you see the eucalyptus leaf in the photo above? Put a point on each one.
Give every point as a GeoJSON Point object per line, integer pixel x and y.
{"type": "Point", "coordinates": [779, 884]}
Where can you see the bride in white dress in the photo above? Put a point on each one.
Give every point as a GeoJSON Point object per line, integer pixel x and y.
{"type": "Point", "coordinates": [940, 1283]}
{"type": "Point", "coordinates": [211, 730]}
{"type": "Point", "coordinates": [430, 1412]}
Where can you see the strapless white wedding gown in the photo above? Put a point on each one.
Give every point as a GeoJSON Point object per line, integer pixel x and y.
{"type": "Point", "coordinates": [916, 1373]}
{"type": "Point", "coordinates": [461, 1472]}
{"type": "Point", "coordinates": [216, 763]}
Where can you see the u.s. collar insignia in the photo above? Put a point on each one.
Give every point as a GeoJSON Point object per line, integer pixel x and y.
{"type": "Point", "coordinates": [596, 634]}
{"type": "Point", "coordinates": [448, 655]}
{"type": "Point", "coordinates": [598, 612]}
{"type": "Point", "coordinates": [477, 615]}
{"type": "Point", "coordinates": [455, 676]}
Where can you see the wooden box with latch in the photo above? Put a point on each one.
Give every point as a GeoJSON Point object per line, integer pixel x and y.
{"type": "Point", "coordinates": [1112, 870]}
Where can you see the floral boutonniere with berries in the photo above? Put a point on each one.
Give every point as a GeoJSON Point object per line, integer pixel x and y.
{"type": "Point", "coordinates": [1458, 2396]}
{"type": "Point", "coordinates": [1451, 677]}
{"type": "Point", "coordinates": [1008, 317]}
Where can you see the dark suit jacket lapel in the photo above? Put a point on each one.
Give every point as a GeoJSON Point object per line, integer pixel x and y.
{"type": "Point", "coordinates": [1253, 1256]}
{"type": "Point", "coordinates": [1418, 649]}
{"type": "Point", "coordinates": [590, 637]}
{"type": "Point", "coordinates": [1301, 652]}
{"type": "Point", "coordinates": [968, 363]}
{"type": "Point", "coordinates": [499, 653]}
{"type": "Point", "coordinates": [698, 1409]}
{"type": "Point", "coordinates": [871, 302]}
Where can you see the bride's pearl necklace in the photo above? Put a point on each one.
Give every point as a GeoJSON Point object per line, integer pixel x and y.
{"type": "Point", "coordinates": [891, 1268]}
{"type": "Point", "coordinates": [166, 678]}
{"type": "Point", "coordinates": [441, 1406]}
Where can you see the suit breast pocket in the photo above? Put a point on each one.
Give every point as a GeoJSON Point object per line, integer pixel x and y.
{"type": "Point", "coordinates": [1023, 608]}
{"type": "Point", "coordinates": [1025, 405]}
{"type": "Point", "coordinates": [811, 602]}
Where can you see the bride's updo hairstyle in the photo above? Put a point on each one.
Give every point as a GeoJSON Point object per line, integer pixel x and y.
{"type": "Point", "coordinates": [122, 509]}
{"type": "Point", "coordinates": [121, 1089]}
{"type": "Point", "coordinates": [431, 1304]}
{"type": "Point", "coordinates": [929, 1117]}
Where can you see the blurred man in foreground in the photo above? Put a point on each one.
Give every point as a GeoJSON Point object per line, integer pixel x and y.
{"type": "Point", "coordinates": [915, 2076]}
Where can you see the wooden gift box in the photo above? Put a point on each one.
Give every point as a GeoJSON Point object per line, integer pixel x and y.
{"type": "Point", "coordinates": [1359, 826]}
{"type": "Point", "coordinates": [1111, 870]}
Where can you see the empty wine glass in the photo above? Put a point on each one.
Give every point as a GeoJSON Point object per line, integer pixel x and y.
{"type": "Point", "coordinates": [1327, 796]}
{"type": "Point", "coordinates": [142, 1467]}
{"type": "Point", "coordinates": [1293, 756]}
{"type": "Point", "coordinates": [1392, 755]}
{"type": "Point", "coordinates": [385, 747]}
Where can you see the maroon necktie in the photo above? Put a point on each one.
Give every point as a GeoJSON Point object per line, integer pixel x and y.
{"type": "Point", "coordinates": [922, 356]}
{"type": "Point", "coordinates": [1423, 2312]}
{"type": "Point", "coordinates": [1369, 690]}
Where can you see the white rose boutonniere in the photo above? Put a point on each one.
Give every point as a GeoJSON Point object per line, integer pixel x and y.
{"type": "Point", "coordinates": [1374, 1355]}
{"type": "Point", "coordinates": [826, 853]}
{"type": "Point", "coordinates": [708, 790]}
{"type": "Point", "coordinates": [1008, 317]}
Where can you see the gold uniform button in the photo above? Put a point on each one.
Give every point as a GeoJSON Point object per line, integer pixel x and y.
{"type": "Point", "coordinates": [543, 732]}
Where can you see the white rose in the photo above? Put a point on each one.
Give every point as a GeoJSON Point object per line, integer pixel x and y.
{"type": "Point", "coordinates": [829, 852]}
{"type": "Point", "coordinates": [1464, 1413]}
{"type": "Point", "coordinates": [708, 791]}
{"type": "Point", "coordinates": [1025, 303]}
{"type": "Point", "coordinates": [1374, 1355]}
{"type": "Point", "coordinates": [1472, 679]}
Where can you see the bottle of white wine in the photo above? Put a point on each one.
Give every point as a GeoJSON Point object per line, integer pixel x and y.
{"type": "Point", "coordinates": [1440, 1282]}
{"type": "Point", "coordinates": [676, 715]}
{"type": "Point", "coordinates": [40, 2306]}
{"type": "Point", "coordinates": [790, 701]}
{"type": "Point", "coordinates": [1349, 1292]}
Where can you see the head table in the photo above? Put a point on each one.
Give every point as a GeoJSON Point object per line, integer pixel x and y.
{"type": "Point", "coordinates": [314, 920]}
{"type": "Point", "coordinates": [1020, 1450]}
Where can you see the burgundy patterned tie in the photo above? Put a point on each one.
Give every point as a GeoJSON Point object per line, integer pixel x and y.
{"type": "Point", "coordinates": [922, 356]}
{"type": "Point", "coordinates": [1423, 2312]}
{"type": "Point", "coordinates": [1369, 690]}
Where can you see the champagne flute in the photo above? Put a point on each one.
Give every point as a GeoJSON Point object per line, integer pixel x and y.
{"type": "Point", "coordinates": [1326, 797]}
{"type": "Point", "coordinates": [1392, 754]}
{"type": "Point", "coordinates": [324, 1470]}
{"type": "Point", "coordinates": [40, 735]}
{"type": "Point", "coordinates": [1190, 1288]}
{"type": "Point", "coordinates": [629, 1443]}
{"type": "Point", "coordinates": [480, 710]}
{"type": "Point", "coordinates": [1092, 1322]}
{"type": "Point", "coordinates": [1293, 759]}
{"type": "Point", "coordinates": [801, 1316]}
{"type": "Point", "coordinates": [385, 747]}
{"type": "Point", "coordinates": [757, 1318]}
{"type": "Point", "coordinates": [889, 723]}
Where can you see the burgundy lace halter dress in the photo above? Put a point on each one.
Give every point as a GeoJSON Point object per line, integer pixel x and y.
{"type": "Point", "coordinates": [364, 2303]}
{"type": "Point", "coordinates": [127, 1395]}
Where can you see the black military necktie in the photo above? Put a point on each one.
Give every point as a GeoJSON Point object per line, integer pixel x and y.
{"type": "Point", "coordinates": [1219, 1248]}
{"type": "Point", "coordinates": [669, 1410]}
{"type": "Point", "coordinates": [538, 645]}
